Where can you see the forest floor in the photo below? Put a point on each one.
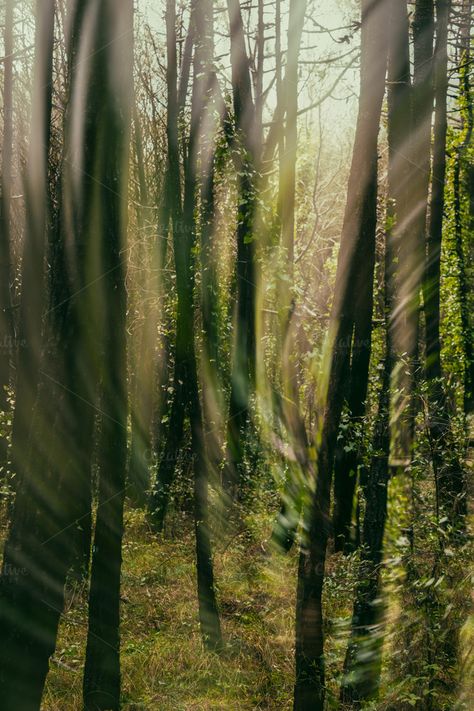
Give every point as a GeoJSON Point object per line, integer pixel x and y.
{"type": "Point", "coordinates": [164, 667]}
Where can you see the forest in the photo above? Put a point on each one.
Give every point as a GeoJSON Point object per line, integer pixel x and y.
{"type": "Point", "coordinates": [236, 355]}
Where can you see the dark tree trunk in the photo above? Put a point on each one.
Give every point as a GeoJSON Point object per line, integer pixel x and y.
{"type": "Point", "coordinates": [357, 246]}
{"type": "Point", "coordinates": [463, 288]}
{"type": "Point", "coordinates": [244, 355]}
{"type": "Point", "coordinates": [363, 657]}
{"type": "Point", "coordinates": [461, 186]}
{"type": "Point", "coordinates": [49, 504]}
{"type": "Point", "coordinates": [7, 331]}
{"type": "Point", "coordinates": [172, 210]}
{"type": "Point", "coordinates": [163, 287]}
{"type": "Point", "coordinates": [410, 168]}
{"type": "Point", "coordinates": [160, 495]}
{"type": "Point", "coordinates": [38, 217]}
{"type": "Point", "coordinates": [423, 34]}
{"type": "Point", "coordinates": [348, 455]}
{"type": "Point", "coordinates": [27, 624]}
{"type": "Point", "coordinates": [187, 397]}
{"type": "Point", "coordinates": [209, 163]}
{"type": "Point", "coordinates": [434, 236]}
{"type": "Point", "coordinates": [110, 101]}
{"type": "Point", "coordinates": [185, 277]}
{"type": "Point", "coordinates": [469, 182]}
{"type": "Point", "coordinates": [447, 467]}
{"type": "Point", "coordinates": [208, 610]}
{"type": "Point", "coordinates": [409, 237]}
{"type": "Point", "coordinates": [287, 187]}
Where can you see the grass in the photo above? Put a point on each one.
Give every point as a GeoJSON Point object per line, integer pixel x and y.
{"type": "Point", "coordinates": [164, 665]}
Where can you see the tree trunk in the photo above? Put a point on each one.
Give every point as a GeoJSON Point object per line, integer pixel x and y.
{"type": "Point", "coordinates": [362, 663]}
{"type": "Point", "coordinates": [286, 525]}
{"type": "Point", "coordinates": [48, 506]}
{"type": "Point", "coordinates": [212, 391]}
{"type": "Point", "coordinates": [7, 331]}
{"type": "Point", "coordinates": [244, 353]}
{"type": "Point", "coordinates": [160, 494]}
{"type": "Point", "coordinates": [357, 246]}
{"type": "Point", "coordinates": [461, 185]}
{"type": "Point", "coordinates": [143, 371]}
{"type": "Point", "coordinates": [348, 455]}
{"type": "Point", "coordinates": [185, 277]}
{"type": "Point", "coordinates": [186, 396]}
{"type": "Point", "coordinates": [447, 467]}
{"type": "Point", "coordinates": [110, 101]}
{"type": "Point", "coordinates": [434, 236]}
{"type": "Point", "coordinates": [38, 216]}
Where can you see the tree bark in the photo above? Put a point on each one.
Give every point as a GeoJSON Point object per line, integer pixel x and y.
{"type": "Point", "coordinates": [48, 505]}
{"type": "Point", "coordinates": [160, 495]}
{"type": "Point", "coordinates": [244, 353]}
{"type": "Point", "coordinates": [142, 372]}
{"type": "Point", "coordinates": [357, 246]}
{"type": "Point", "coordinates": [434, 236]}
{"type": "Point", "coordinates": [185, 276]}
{"type": "Point", "coordinates": [7, 330]}
{"type": "Point", "coordinates": [286, 525]}
{"type": "Point", "coordinates": [38, 215]}
{"type": "Point", "coordinates": [461, 187]}
{"type": "Point", "coordinates": [348, 454]}
{"type": "Point", "coordinates": [110, 102]}
{"type": "Point", "coordinates": [409, 237]}
{"type": "Point", "coordinates": [212, 390]}
{"type": "Point", "coordinates": [362, 663]}
{"type": "Point", "coordinates": [187, 398]}
{"type": "Point", "coordinates": [448, 469]}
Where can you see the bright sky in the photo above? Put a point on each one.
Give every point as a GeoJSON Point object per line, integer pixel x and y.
{"type": "Point", "coordinates": [339, 109]}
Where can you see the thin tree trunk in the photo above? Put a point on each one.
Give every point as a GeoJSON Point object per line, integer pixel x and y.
{"type": "Point", "coordinates": [244, 355]}
{"type": "Point", "coordinates": [434, 236]}
{"type": "Point", "coordinates": [144, 368]}
{"type": "Point", "coordinates": [187, 398]}
{"type": "Point", "coordinates": [463, 289]}
{"type": "Point", "coordinates": [362, 665]}
{"type": "Point", "coordinates": [7, 331]}
{"type": "Point", "coordinates": [460, 184]}
{"type": "Point", "coordinates": [212, 390]}
{"type": "Point", "coordinates": [160, 494]}
{"type": "Point", "coordinates": [285, 529]}
{"type": "Point", "coordinates": [348, 456]}
{"type": "Point", "coordinates": [357, 245]}
{"type": "Point", "coordinates": [208, 609]}
{"type": "Point", "coordinates": [447, 467]}
{"type": "Point", "coordinates": [159, 499]}
{"type": "Point", "coordinates": [185, 277]}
